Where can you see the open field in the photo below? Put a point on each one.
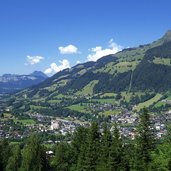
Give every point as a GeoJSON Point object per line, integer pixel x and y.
{"type": "Point", "coordinates": [162, 61]}
{"type": "Point", "coordinates": [103, 101]}
{"type": "Point", "coordinates": [148, 102]}
{"type": "Point", "coordinates": [120, 67]}
{"type": "Point", "coordinates": [33, 107]}
{"type": "Point", "coordinates": [159, 104]}
{"type": "Point", "coordinates": [25, 121]}
{"type": "Point", "coordinates": [110, 112]}
{"type": "Point", "coordinates": [54, 101]}
{"type": "Point", "coordinates": [88, 89]}
{"type": "Point", "coordinates": [79, 108]}
{"type": "Point", "coordinates": [111, 95]}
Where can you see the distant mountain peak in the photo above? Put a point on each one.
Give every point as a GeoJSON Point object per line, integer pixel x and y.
{"type": "Point", "coordinates": [39, 73]}
{"type": "Point", "coordinates": [8, 75]}
{"type": "Point", "coordinates": [167, 36]}
{"type": "Point", "coordinates": [12, 82]}
{"type": "Point", "coordinates": [168, 32]}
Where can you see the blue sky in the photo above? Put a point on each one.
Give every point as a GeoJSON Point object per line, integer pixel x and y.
{"type": "Point", "coordinates": [49, 35]}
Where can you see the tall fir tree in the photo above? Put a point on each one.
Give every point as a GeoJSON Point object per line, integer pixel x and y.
{"type": "Point", "coordinates": [116, 152]}
{"type": "Point", "coordinates": [34, 156]}
{"type": "Point", "coordinates": [81, 157]}
{"type": "Point", "coordinates": [145, 142]}
{"type": "Point", "coordinates": [104, 151]}
{"type": "Point", "coordinates": [78, 140]}
{"type": "Point", "coordinates": [62, 157]}
{"type": "Point", "coordinates": [88, 158]}
{"type": "Point", "coordinates": [14, 160]}
{"type": "Point", "coordinates": [168, 143]}
{"type": "Point", "coordinates": [4, 153]}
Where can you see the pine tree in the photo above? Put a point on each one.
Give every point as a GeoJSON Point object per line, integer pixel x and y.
{"type": "Point", "coordinates": [145, 141]}
{"type": "Point", "coordinates": [81, 158]}
{"type": "Point", "coordinates": [62, 158]}
{"type": "Point", "coordinates": [169, 165]}
{"type": "Point", "coordinates": [78, 140]}
{"type": "Point", "coordinates": [4, 153]}
{"type": "Point", "coordinates": [90, 150]}
{"type": "Point", "coordinates": [14, 160]}
{"type": "Point", "coordinates": [106, 140]}
{"type": "Point", "coordinates": [129, 155]}
{"type": "Point", "coordinates": [34, 156]}
{"type": "Point", "coordinates": [116, 152]}
{"type": "Point", "coordinates": [168, 142]}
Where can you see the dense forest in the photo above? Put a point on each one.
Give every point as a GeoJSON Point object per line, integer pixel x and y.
{"type": "Point", "coordinates": [92, 149]}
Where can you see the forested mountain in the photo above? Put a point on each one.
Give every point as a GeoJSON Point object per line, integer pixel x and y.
{"type": "Point", "coordinates": [146, 67]}
{"type": "Point", "coordinates": [135, 77]}
{"type": "Point", "coordinates": [10, 82]}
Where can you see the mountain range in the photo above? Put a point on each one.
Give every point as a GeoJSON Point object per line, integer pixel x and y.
{"type": "Point", "coordinates": [10, 83]}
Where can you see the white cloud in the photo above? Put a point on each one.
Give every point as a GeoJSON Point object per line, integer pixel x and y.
{"type": "Point", "coordinates": [78, 62]}
{"type": "Point", "coordinates": [31, 60]}
{"type": "Point", "coordinates": [70, 49]}
{"type": "Point", "coordinates": [98, 51]}
{"type": "Point", "coordinates": [54, 68]}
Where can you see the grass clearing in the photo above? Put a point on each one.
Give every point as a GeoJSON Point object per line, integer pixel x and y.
{"type": "Point", "coordinates": [126, 66]}
{"type": "Point", "coordinates": [6, 116]}
{"type": "Point", "coordinates": [169, 98]}
{"type": "Point", "coordinates": [79, 108]}
{"type": "Point", "coordinates": [162, 61]}
{"type": "Point", "coordinates": [105, 101]}
{"type": "Point", "coordinates": [111, 95]}
{"type": "Point", "coordinates": [54, 101]}
{"type": "Point", "coordinates": [149, 102]}
{"type": "Point", "coordinates": [62, 96]}
{"type": "Point", "coordinates": [38, 100]}
{"type": "Point", "coordinates": [134, 54]}
{"type": "Point", "coordinates": [114, 68]}
{"type": "Point", "coordinates": [62, 83]}
{"type": "Point", "coordinates": [83, 71]}
{"type": "Point", "coordinates": [33, 107]}
{"type": "Point", "coordinates": [110, 112]}
{"type": "Point", "coordinates": [51, 88]}
{"type": "Point", "coordinates": [126, 96]}
{"type": "Point", "coordinates": [25, 121]}
{"type": "Point", "coordinates": [159, 104]}
{"type": "Point", "coordinates": [88, 89]}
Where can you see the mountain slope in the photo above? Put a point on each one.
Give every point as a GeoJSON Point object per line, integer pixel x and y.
{"type": "Point", "coordinates": [130, 70]}
{"type": "Point", "coordinates": [132, 76]}
{"type": "Point", "coordinates": [151, 75]}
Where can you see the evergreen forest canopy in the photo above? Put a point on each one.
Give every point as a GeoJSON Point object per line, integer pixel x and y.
{"type": "Point", "coordinates": [92, 150]}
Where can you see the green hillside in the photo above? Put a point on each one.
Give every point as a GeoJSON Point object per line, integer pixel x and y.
{"type": "Point", "coordinates": [133, 77]}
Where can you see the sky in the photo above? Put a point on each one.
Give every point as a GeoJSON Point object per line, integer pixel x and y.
{"type": "Point", "coordinates": [50, 35]}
